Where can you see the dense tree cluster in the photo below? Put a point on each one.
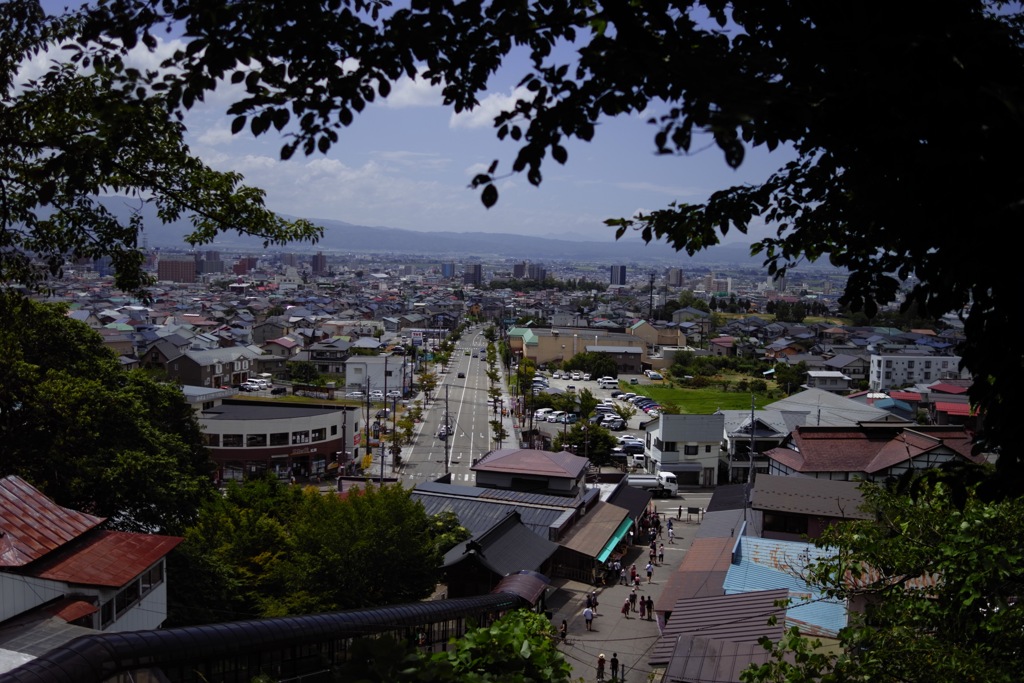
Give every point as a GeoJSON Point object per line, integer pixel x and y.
{"type": "Point", "coordinates": [89, 434]}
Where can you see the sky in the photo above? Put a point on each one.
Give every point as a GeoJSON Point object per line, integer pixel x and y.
{"type": "Point", "coordinates": [406, 162]}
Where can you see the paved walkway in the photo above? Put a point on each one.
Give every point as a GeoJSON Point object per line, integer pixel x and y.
{"type": "Point", "coordinates": [631, 638]}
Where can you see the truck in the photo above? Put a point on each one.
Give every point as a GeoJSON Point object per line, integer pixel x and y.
{"type": "Point", "coordinates": [661, 484]}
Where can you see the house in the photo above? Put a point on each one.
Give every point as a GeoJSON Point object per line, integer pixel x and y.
{"type": "Point", "coordinates": [371, 373]}
{"type": "Point", "coordinates": [869, 451]}
{"type": "Point", "coordinates": [689, 446]}
{"type": "Point", "coordinates": [794, 508]}
{"type": "Point", "coordinates": [756, 433]}
{"type": "Point", "coordinates": [63, 575]}
{"type": "Point", "coordinates": [854, 367]}
{"type": "Point", "coordinates": [524, 469]}
{"type": "Point", "coordinates": [477, 565]}
{"type": "Point", "coordinates": [831, 381]}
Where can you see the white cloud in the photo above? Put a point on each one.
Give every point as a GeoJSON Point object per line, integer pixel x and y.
{"type": "Point", "coordinates": [490, 106]}
{"type": "Point", "coordinates": [408, 92]}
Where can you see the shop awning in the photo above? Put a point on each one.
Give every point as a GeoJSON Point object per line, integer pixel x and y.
{"type": "Point", "coordinates": [623, 529]}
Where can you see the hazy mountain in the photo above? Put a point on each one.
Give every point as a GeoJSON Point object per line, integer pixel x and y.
{"type": "Point", "coordinates": [342, 236]}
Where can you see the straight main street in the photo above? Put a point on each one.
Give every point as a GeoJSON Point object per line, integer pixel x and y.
{"type": "Point", "coordinates": [464, 401]}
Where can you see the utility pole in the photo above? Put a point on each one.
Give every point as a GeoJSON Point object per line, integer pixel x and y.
{"type": "Point", "coordinates": [650, 305]}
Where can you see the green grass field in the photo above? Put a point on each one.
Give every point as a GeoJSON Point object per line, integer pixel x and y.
{"type": "Point", "coordinates": [699, 401]}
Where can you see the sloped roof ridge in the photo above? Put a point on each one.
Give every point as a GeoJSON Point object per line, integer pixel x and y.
{"type": "Point", "coordinates": [32, 525]}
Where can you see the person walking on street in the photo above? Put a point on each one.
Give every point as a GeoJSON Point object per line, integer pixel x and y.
{"type": "Point", "coordinates": [632, 573]}
{"type": "Point", "coordinates": [593, 601]}
{"type": "Point", "coordinates": [632, 599]}
{"type": "Point", "coordinates": [563, 630]}
{"type": "Point", "coordinates": [588, 616]}
{"type": "Point", "coordinates": [650, 571]}
{"type": "Point", "coordinates": [661, 554]}
{"type": "Point", "coordinates": [600, 667]}
{"type": "Point", "coordinates": [625, 608]}
{"type": "Point", "coordinates": [671, 535]}
{"type": "Point", "coordinates": [643, 609]}
{"type": "Point", "coordinates": [679, 515]}
{"type": "Point", "coordinates": [615, 666]}
{"type": "Point", "coordinates": [622, 576]}
{"type": "Point", "coordinates": [650, 608]}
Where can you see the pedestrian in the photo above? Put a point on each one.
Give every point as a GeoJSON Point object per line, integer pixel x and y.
{"type": "Point", "coordinates": [643, 609]}
{"type": "Point", "coordinates": [661, 554]}
{"type": "Point", "coordinates": [588, 617]}
{"type": "Point", "coordinates": [632, 600]}
{"type": "Point", "coordinates": [622, 576]}
{"type": "Point", "coordinates": [636, 582]}
{"type": "Point", "coordinates": [590, 600]}
{"type": "Point", "coordinates": [615, 666]}
{"type": "Point", "coordinates": [650, 571]}
{"type": "Point", "coordinates": [632, 574]}
{"type": "Point", "coordinates": [625, 608]}
{"type": "Point", "coordinates": [671, 536]}
{"type": "Point", "coordinates": [600, 667]}
{"type": "Point", "coordinates": [680, 514]}
{"type": "Point", "coordinates": [593, 600]}
{"type": "Point", "coordinates": [650, 608]}
{"type": "Point", "coordinates": [563, 630]}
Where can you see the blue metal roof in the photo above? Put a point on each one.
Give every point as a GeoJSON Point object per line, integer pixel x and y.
{"type": "Point", "coordinates": [766, 564]}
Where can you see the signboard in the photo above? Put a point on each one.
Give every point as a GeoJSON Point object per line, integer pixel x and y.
{"type": "Point", "coordinates": [417, 337]}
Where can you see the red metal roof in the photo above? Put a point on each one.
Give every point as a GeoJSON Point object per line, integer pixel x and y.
{"type": "Point", "coordinates": [105, 558]}
{"type": "Point", "coordinates": [32, 525]}
{"type": "Point", "coordinates": [70, 609]}
{"type": "Point", "coordinates": [963, 409]}
{"type": "Point", "coordinates": [905, 395]}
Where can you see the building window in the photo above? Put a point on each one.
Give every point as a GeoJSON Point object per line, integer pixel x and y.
{"type": "Point", "coordinates": [300, 437]}
{"type": "Point", "coordinates": [207, 405]}
{"type": "Point", "coordinates": [888, 375]}
{"type": "Point", "coordinates": [255, 440]}
{"type": "Point", "coordinates": [888, 363]}
{"type": "Point", "coordinates": [707, 448]}
{"type": "Point", "coordinates": [232, 441]}
{"type": "Point", "coordinates": [927, 365]}
{"type": "Point", "coordinates": [689, 450]}
{"type": "Point", "coordinates": [211, 440]}
{"type": "Point", "coordinates": [319, 434]}
{"type": "Point", "coordinates": [107, 614]}
{"type": "Point", "coordinates": [279, 439]}
{"type": "Point", "coordinates": [334, 430]}
{"type": "Point", "coordinates": [910, 364]}
{"type": "Point", "coordinates": [927, 376]}
{"type": "Point", "coordinates": [152, 578]}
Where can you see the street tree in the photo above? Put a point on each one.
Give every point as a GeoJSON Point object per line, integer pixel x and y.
{"type": "Point", "coordinates": [428, 382]}
{"type": "Point", "coordinates": [90, 435]}
{"type": "Point", "coordinates": [867, 181]}
{"type": "Point", "coordinates": [498, 432]}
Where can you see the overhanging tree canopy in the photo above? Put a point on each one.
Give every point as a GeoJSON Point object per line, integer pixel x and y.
{"type": "Point", "coordinates": [903, 118]}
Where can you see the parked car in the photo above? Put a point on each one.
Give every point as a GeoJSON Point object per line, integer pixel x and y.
{"type": "Point", "coordinates": [277, 391]}
{"type": "Point", "coordinates": [376, 395]}
{"type": "Point", "coordinates": [355, 394]}
{"type": "Point", "coordinates": [542, 414]}
{"type": "Point", "coordinates": [616, 425]}
{"type": "Point", "coordinates": [556, 416]}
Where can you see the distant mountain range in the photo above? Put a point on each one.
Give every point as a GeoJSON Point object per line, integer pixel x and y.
{"type": "Point", "coordinates": [340, 236]}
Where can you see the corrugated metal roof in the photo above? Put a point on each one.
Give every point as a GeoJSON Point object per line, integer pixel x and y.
{"type": "Point", "coordinates": [701, 573]}
{"type": "Point", "coordinates": [590, 533]}
{"type": "Point", "coordinates": [563, 465]}
{"type": "Point", "coordinates": [704, 660]}
{"type": "Point", "coordinates": [32, 525]}
{"type": "Point", "coordinates": [766, 564]}
{"type": "Point", "coordinates": [480, 514]}
{"type": "Point", "coordinates": [741, 618]}
{"type": "Point", "coordinates": [526, 584]}
{"type": "Point", "coordinates": [809, 496]}
{"type": "Point", "coordinates": [104, 558]}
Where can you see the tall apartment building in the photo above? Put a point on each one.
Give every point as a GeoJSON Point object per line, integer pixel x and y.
{"type": "Point", "coordinates": [176, 268]}
{"type": "Point", "coordinates": [674, 277]}
{"type": "Point", "coordinates": [519, 270]}
{"type": "Point", "coordinates": [318, 264]}
{"type": "Point", "coordinates": [537, 272]}
{"type": "Point", "coordinates": [618, 275]}
{"type": "Point", "coordinates": [473, 275]}
{"type": "Point", "coordinates": [447, 270]}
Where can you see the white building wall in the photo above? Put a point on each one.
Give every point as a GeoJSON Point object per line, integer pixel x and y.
{"type": "Point", "coordinates": [897, 370]}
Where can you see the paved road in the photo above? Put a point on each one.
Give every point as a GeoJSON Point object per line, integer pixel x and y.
{"type": "Point", "coordinates": [464, 401]}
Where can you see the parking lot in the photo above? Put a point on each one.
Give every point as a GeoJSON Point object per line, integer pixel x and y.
{"type": "Point", "coordinates": [635, 425]}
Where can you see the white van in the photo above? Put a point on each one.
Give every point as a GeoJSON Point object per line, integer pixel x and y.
{"type": "Point", "coordinates": [542, 414]}
{"type": "Point", "coordinates": [608, 383]}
